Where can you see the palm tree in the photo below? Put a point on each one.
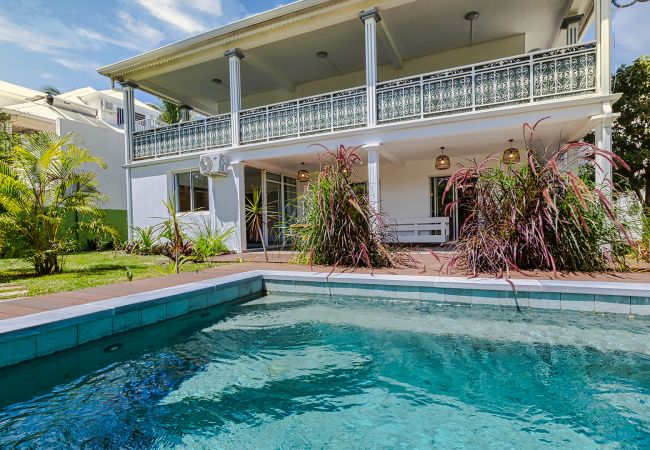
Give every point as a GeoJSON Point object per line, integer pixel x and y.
{"type": "Point", "coordinates": [49, 89]}
{"type": "Point", "coordinates": [47, 181]}
{"type": "Point", "coordinates": [169, 113]}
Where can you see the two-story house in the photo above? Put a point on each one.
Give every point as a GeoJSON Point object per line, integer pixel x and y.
{"type": "Point", "coordinates": [407, 80]}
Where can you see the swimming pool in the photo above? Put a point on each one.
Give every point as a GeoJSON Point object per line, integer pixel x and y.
{"type": "Point", "coordinates": [311, 372]}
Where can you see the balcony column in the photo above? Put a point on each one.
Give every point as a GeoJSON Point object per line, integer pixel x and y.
{"type": "Point", "coordinates": [234, 62]}
{"type": "Point", "coordinates": [185, 113]}
{"type": "Point", "coordinates": [603, 135]}
{"type": "Point", "coordinates": [227, 207]}
{"type": "Point", "coordinates": [603, 46]}
{"type": "Point", "coordinates": [128, 98]}
{"type": "Point", "coordinates": [370, 18]}
{"type": "Point", "coordinates": [374, 195]}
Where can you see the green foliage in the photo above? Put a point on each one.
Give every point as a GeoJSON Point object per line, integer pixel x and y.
{"type": "Point", "coordinates": [49, 89]}
{"type": "Point", "coordinates": [48, 178]}
{"type": "Point", "coordinates": [632, 129]}
{"type": "Point", "coordinates": [257, 215]}
{"type": "Point", "coordinates": [129, 273]}
{"type": "Point", "coordinates": [169, 113]}
{"type": "Point", "coordinates": [209, 242]}
{"type": "Point", "coordinates": [536, 216]}
{"type": "Point", "coordinates": [338, 226]}
{"type": "Point", "coordinates": [144, 240]}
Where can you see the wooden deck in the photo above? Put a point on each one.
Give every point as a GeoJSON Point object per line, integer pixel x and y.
{"type": "Point", "coordinates": [426, 265]}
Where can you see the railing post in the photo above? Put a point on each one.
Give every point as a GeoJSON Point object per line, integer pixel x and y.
{"type": "Point", "coordinates": [129, 125]}
{"type": "Point", "coordinates": [370, 18]}
{"type": "Point", "coordinates": [234, 62]}
{"type": "Point", "coordinates": [473, 88]}
{"type": "Point", "coordinates": [531, 88]}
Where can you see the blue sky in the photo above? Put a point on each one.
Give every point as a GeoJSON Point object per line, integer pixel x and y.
{"type": "Point", "coordinates": [63, 42]}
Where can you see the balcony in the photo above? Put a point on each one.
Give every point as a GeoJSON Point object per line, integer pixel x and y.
{"type": "Point", "coordinates": [529, 78]}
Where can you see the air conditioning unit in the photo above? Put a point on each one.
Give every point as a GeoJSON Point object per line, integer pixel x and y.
{"type": "Point", "coordinates": [213, 164]}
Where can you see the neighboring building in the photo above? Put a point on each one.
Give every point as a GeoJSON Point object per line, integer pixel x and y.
{"type": "Point", "coordinates": [96, 117]}
{"type": "Point", "coordinates": [400, 78]}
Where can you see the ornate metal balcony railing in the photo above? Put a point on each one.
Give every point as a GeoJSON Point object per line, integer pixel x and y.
{"type": "Point", "coordinates": [551, 73]}
{"type": "Point", "coordinates": [185, 137]}
{"type": "Point", "coordinates": [311, 115]}
{"type": "Point", "coordinates": [526, 78]}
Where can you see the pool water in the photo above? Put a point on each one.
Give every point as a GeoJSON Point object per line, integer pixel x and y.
{"type": "Point", "coordinates": [289, 372]}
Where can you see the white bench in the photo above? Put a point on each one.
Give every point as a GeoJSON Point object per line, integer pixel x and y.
{"type": "Point", "coordinates": [419, 230]}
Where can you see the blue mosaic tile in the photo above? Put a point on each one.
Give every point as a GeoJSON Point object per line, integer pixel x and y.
{"type": "Point", "coordinates": [89, 331]}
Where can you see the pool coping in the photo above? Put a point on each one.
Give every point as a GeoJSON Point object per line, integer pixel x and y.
{"type": "Point", "coordinates": [27, 337]}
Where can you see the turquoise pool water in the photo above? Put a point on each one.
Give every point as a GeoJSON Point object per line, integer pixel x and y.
{"type": "Point", "coordinates": [342, 373]}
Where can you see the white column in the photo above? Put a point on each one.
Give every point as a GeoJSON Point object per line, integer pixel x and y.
{"type": "Point", "coordinates": [240, 227]}
{"type": "Point", "coordinates": [227, 209]}
{"type": "Point", "coordinates": [603, 46]}
{"type": "Point", "coordinates": [234, 63]}
{"type": "Point", "coordinates": [185, 113]}
{"type": "Point", "coordinates": [129, 126]}
{"type": "Point", "coordinates": [603, 135]}
{"type": "Point", "coordinates": [374, 195]}
{"type": "Point", "coordinates": [370, 18]}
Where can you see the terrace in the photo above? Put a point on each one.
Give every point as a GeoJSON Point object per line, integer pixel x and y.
{"type": "Point", "coordinates": [534, 77]}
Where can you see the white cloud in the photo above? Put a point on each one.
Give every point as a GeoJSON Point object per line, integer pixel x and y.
{"type": "Point", "coordinates": [78, 65]}
{"type": "Point", "coordinates": [33, 39]}
{"type": "Point", "coordinates": [48, 76]}
{"type": "Point", "coordinates": [183, 15]}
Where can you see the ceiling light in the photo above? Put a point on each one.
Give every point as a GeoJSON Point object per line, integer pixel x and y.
{"type": "Point", "coordinates": [322, 54]}
{"type": "Point", "coordinates": [471, 17]}
{"type": "Point", "coordinates": [511, 154]}
{"type": "Point", "coordinates": [303, 175]}
{"type": "Point", "coordinates": [442, 161]}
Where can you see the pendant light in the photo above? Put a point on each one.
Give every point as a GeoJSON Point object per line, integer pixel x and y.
{"type": "Point", "coordinates": [303, 175]}
{"type": "Point", "coordinates": [471, 17]}
{"type": "Point", "coordinates": [442, 161]}
{"type": "Point", "coordinates": [511, 154]}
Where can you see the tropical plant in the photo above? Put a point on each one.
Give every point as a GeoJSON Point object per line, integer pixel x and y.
{"type": "Point", "coordinates": [208, 242]}
{"type": "Point", "coordinates": [51, 90]}
{"type": "Point", "coordinates": [256, 216]}
{"type": "Point", "coordinates": [538, 215]}
{"type": "Point", "coordinates": [338, 226]}
{"type": "Point", "coordinates": [144, 239]}
{"type": "Point", "coordinates": [177, 245]}
{"type": "Point", "coordinates": [169, 112]}
{"type": "Point", "coordinates": [7, 139]}
{"type": "Point", "coordinates": [48, 179]}
{"type": "Point", "coordinates": [631, 130]}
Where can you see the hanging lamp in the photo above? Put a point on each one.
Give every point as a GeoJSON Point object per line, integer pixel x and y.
{"type": "Point", "coordinates": [442, 161]}
{"type": "Point", "coordinates": [303, 175]}
{"type": "Point", "coordinates": [511, 154]}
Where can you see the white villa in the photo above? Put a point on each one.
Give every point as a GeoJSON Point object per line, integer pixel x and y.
{"type": "Point", "coordinates": [96, 117]}
{"type": "Point", "coordinates": [400, 78]}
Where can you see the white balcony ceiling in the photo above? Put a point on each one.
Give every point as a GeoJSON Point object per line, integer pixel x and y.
{"type": "Point", "coordinates": [419, 28]}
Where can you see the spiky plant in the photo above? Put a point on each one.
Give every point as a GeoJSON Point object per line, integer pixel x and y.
{"type": "Point", "coordinates": [538, 215]}
{"type": "Point", "coordinates": [338, 226]}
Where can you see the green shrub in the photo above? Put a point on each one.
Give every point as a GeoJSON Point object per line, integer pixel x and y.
{"type": "Point", "coordinates": [538, 215]}
{"type": "Point", "coordinates": [208, 242]}
{"type": "Point", "coordinates": [338, 227]}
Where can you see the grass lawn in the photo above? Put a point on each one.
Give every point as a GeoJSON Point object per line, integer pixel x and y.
{"type": "Point", "coordinates": [82, 270]}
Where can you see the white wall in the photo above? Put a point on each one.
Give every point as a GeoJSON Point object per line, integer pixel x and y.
{"type": "Point", "coordinates": [151, 185]}
{"type": "Point", "coordinates": [109, 145]}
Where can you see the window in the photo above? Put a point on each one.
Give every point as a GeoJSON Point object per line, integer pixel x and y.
{"type": "Point", "coordinates": [191, 190]}
{"type": "Point", "coordinates": [120, 116]}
